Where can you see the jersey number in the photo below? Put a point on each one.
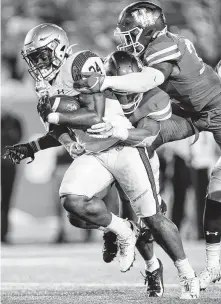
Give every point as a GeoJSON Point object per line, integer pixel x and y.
{"type": "Point", "coordinates": [95, 68]}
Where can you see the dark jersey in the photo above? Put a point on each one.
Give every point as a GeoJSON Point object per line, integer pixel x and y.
{"type": "Point", "coordinates": [155, 104]}
{"type": "Point", "coordinates": [192, 83]}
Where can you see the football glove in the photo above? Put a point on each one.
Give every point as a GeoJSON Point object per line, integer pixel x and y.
{"type": "Point", "coordinates": [76, 149]}
{"type": "Point", "coordinates": [108, 129]}
{"type": "Point", "coordinates": [19, 152]}
{"type": "Point", "coordinates": [44, 107]}
{"type": "Point", "coordinates": [89, 82]}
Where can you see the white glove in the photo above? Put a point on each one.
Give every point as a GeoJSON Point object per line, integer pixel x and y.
{"type": "Point", "coordinates": [75, 149]}
{"type": "Point", "coordinates": [108, 129]}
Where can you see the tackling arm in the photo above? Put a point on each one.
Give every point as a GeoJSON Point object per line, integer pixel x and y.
{"type": "Point", "coordinates": [139, 82]}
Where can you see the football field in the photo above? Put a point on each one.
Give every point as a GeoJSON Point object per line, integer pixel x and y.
{"type": "Point", "coordinates": [75, 273]}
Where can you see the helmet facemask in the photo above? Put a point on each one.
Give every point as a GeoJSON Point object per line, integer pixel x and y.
{"type": "Point", "coordinates": [130, 41]}
{"type": "Point", "coordinates": [129, 101]}
{"type": "Point", "coordinates": [137, 28]}
{"type": "Point", "coordinates": [44, 62]}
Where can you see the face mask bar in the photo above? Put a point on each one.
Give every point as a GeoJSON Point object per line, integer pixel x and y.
{"type": "Point", "coordinates": [130, 41]}
{"type": "Point", "coordinates": [130, 107]}
{"type": "Point", "coordinates": [49, 67]}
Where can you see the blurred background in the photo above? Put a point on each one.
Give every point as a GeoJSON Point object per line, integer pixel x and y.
{"type": "Point", "coordinates": [30, 206]}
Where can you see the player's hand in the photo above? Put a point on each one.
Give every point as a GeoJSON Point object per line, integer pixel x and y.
{"type": "Point", "coordinates": [89, 82]}
{"type": "Point", "coordinates": [19, 152]}
{"type": "Point", "coordinates": [108, 129]}
{"type": "Point", "coordinates": [44, 107]}
{"type": "Point", "coordinates": [76, 149]}
{"type": "Point", "coordinates": [102, 130]}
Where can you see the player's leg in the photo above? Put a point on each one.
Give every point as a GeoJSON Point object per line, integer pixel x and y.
{"type": "Point", "coordinates": [112, 201]}
{"type": "Point", "coordinates": [130, 172]}
{"type": "Point", "coordinates": [212, 229]}
{"type": "Point", "coordinates": [84, 179]}
{"type": "Point", "coordinates": [153, 272]}
{"type": "Point", "coordinates": [212, 213]}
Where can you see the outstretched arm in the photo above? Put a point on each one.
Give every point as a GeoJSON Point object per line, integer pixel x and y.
{"type": "Point", "coordinates": [56, 137]}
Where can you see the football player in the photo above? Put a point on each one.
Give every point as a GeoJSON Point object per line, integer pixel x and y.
{"type": "Point", "coordinates": [47, 52]}
{"type": "Point", "coordinates": [172, 63]}
{"type": "Point", "coordinates": [128, 165]}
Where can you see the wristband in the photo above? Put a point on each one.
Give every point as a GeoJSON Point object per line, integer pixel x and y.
{"type": "Point", "coordinates": [53, 118]}
{"type": "Point", "coordinates": [120, 133]}
{"type": "Point", "coordinates": [35, 146]}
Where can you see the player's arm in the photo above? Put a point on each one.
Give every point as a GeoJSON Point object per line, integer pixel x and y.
{"type": "Point", "coordinates": [158, 65]}
{"type": "Point", "coordinates": [143, 135]}
{"type": "Point", "coordinates": [90, 113]}
{"type": "Point", "coordinates": [19, 152]}
{"type": "Point", "coordinates": [55, 138]}
{"type": "Point", "coordinates": [140, 82]}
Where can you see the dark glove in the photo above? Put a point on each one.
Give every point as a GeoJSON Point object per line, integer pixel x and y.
{"type": "Point", "coordinates": [19, 152]}
{"type": "Point", "coordinates": [44, 107]}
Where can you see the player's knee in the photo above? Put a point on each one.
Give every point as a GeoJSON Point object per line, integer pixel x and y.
{"type": "Point", "coordinates": [79, 223]}
{"type": "Point", "coordinates": [214, 189]}
{"type": "Point", "coordinates": [75, 204]}
{"type": "Point", "coordinates": [158, 221]}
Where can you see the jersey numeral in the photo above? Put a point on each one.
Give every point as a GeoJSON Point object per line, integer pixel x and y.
{"type": "Point", "coordinates": [95, 68]}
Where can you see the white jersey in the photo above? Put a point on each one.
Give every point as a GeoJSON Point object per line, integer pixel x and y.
{"type": "Point", "coordinates": [84, 61]}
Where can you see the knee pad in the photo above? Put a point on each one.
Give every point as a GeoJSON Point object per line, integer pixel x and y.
{"type": "Point", "coordinates": [212, 221]}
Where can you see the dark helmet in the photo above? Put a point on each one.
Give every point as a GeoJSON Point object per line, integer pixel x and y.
{"type": "Point", "coordinates": [120, 63]}
{"type": "Point", "coordinates": [138, 24]}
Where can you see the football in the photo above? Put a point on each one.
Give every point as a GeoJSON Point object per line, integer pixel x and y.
{"type": "Point", "coordinates": [64, 103]}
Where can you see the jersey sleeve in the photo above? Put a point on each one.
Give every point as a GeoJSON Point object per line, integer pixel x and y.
{"type": "Point", "coordinates": [162, 51]}
{"type": "Point", "coordinates": [86, 61]}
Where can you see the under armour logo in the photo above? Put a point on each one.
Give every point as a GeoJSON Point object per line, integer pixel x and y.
{"type": "Point", "coordinates": [60, 91]}
{"type": "Point", "coordinates": [214, 233]}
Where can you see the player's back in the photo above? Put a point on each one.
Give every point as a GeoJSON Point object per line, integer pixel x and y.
{"type": "Point", "coordinates": [192, 82]}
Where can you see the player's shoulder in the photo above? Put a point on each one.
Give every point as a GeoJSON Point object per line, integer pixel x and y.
{"type": "Point", "coordinates": [79, 58]}
{"type": "Point", "coordinates": [85, 61]}
{"type": "Point", "coordinates": [164, 48]}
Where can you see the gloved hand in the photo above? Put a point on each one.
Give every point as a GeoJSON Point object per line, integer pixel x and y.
{"type": "Point", "coordinates": [19, 152]}
{"type": "Point", "coordinates": [76, 149]}
{"type": "Point", "coordinates": [108, 129]}
{"type": "Point", "coordinates": [44, 107]}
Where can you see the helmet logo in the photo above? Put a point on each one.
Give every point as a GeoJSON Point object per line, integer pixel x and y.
{"type": "Point", "coordinates": [44, 38]}
{"type": "Point", "coordinates": [144, 17]}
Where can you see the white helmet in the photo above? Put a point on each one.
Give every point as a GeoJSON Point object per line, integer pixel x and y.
{"type": "Point", "coordinates": [45, 49]}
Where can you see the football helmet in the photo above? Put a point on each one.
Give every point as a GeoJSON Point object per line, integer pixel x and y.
{"type": "Point", "coordinates": [138, 24]}
{"type": "Point", "coordinates": [45, 49]}
{"type": "Point", "coordinates": [120, 63]}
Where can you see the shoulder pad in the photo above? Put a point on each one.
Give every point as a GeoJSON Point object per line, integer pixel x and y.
{"type": "Point", "coordinates": [162, 49]}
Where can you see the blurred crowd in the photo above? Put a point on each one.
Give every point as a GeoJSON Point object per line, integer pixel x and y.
{"type": "Point", "coordinates": [91, 24]}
